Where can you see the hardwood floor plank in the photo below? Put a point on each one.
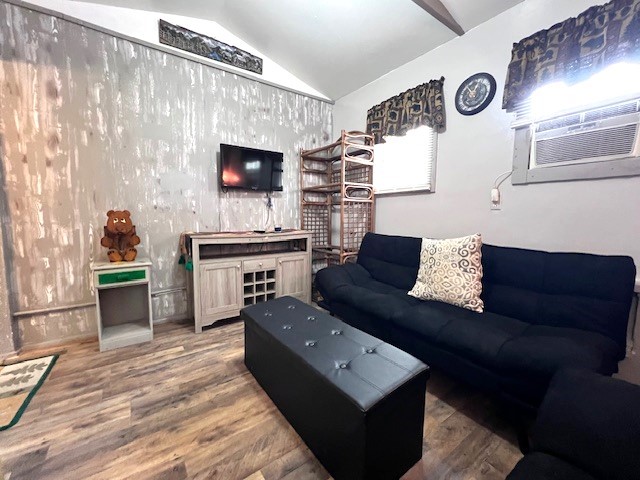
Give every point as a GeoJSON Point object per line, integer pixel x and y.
{"type": "Point", "coordinates": [287, 463]}
{"type": "Point", "coordinates": [255, 476]}
{"type": "Point", "coordinates": [309, 470]}
{"type": "Point", "coordinates": [184, 406]}
{"type": "Point", "coordinates": [245, 452]}
{"type": "Point", "coordinates": [28, 465]}
{"type": "Point", "coordinates": [177, 470]}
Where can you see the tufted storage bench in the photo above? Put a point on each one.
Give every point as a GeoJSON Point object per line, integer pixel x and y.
{"type": "Point", "coordinates": [356, 401]}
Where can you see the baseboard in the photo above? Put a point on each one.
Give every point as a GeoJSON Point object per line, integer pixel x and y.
{"type": "Point", "coordinates": [58, 343]}
{"type": "Point", "coordinates": [6, 358]}
{"type": "Point", "coordinates": [171, 318]}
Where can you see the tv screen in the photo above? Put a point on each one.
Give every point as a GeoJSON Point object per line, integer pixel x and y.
{"type": "Point", "coordinates": [250, 168]}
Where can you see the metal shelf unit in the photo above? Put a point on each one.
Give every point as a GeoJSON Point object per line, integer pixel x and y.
{"type": "Point", "coordinates": [337, 198]}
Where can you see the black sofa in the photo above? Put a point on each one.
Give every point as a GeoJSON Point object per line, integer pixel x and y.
{"type": "Point", "coordinates": [543, 311]}
{"type": "Point", "coordinates": [588, 428]}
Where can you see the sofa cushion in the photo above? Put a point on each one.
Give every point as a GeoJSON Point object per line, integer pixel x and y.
{"type": "Point", "coordinates": [541, 350]}
{"type": "Point", "coordinates": [391, 259]}
{"type": "Point", "coordinates": [593, 422]}
{"type": "Point", "coordinates": [572, 290]}
{"type": "Point", "coordinates": [475, 336]}
{"type": "Point", "coordinates": [541, 466]}
{"type": "Point", "coordinates": [451, 271]}
{"type": "Point", "coordinates": [329, 280]}
{"type": "Point", "coordinates": [352, 285]}
{"type": "Point", "coordinates": [376, 298]}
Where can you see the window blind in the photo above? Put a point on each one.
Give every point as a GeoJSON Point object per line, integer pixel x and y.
{"type": "Point", "coordinates": [406, 163]}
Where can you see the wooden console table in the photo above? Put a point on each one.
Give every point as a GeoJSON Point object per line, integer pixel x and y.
{"type": "Point", "coordinates": [233, 270]}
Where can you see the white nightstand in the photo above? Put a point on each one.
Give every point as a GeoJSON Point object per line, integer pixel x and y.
{"type": "Point", "coordinates": [123, 302]}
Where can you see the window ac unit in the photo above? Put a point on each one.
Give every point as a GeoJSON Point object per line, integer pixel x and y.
{"type": "Point", "coordinates": [598, 135]}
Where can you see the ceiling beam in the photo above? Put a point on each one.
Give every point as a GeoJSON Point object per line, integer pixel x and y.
{"type": "Point", "coordinates": [436, 9]}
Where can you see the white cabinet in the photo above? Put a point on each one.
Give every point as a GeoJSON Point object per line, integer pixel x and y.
{"type": "Point", "coordinates": [123, 303]}
{"type": "Point", "coordinates": [292, 277]}
{"type": "Point", "coordinates": [234, 270]}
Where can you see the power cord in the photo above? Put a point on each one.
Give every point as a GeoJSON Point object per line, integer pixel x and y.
{"type": "Point", "coordinates": [270, 225]}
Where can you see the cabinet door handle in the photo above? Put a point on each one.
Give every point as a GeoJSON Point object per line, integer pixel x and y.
{"type": "Point", "coordinates": [260, 264]}
{"type": "Point", "coordinates": [280, 262]}
{"type": "Point", "coordinates": [238, 266]}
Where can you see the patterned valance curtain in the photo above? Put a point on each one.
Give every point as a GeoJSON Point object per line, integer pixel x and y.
{"type": "Point", "coordinates": [574, 49]}
{"type": "Point", "coordinates": [422, 105]}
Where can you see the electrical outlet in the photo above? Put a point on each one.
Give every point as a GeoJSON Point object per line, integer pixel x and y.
{"type": "Point", "coordinates": [495, 199]}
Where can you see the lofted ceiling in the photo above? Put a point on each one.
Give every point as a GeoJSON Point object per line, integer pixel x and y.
{"type": "Point", "coordinates": [335, 46]}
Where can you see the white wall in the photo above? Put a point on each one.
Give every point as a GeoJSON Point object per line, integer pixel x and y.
{"type": "Point", "coordinates": [143, 25]}
{"type": "Point", "coordinates": [599, 216]}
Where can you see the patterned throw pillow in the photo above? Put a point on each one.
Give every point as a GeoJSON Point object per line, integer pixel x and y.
{"type": "Point", "coordinates": [451, 272]}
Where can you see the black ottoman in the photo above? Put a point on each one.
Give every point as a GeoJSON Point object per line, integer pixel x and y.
{"type": "Point", "coordinates": [357, 402]}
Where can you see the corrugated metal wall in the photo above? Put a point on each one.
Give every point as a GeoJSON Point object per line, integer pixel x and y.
{"type": "Point", "coordinates": [90, 122]}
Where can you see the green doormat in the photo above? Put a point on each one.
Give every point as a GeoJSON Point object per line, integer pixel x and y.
{"type": "Point", "coordinates": [18, 384]}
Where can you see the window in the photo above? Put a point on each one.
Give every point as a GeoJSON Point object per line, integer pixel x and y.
{"type": "Point", "coordinates": [586, 130]}
{"type": "Point", "coordinates": [406, 163]}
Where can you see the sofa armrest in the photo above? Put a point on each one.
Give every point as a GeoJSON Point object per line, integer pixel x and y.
{"type": "Point", "coordinates": [330, 279]}
{"type": "Point", "coordinates": [591, 421]}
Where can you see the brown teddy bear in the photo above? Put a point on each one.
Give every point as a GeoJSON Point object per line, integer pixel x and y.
{"type": "Point", "coordinates": [120, 236]}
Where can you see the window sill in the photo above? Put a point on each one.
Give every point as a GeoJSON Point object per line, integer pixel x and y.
{"type": "Point", "coordinates": [404, 191]}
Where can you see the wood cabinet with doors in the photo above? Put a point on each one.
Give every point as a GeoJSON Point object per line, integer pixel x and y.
{"type": "Point", "coordinates": [234, 270]}
{"type": "Point", "coordinates": [291, 277]}
{"type": "Point", "coordinates": [221, 290]}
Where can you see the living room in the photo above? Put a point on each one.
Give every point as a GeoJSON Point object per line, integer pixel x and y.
{"type": "Point", "coordinates": [104, 111]}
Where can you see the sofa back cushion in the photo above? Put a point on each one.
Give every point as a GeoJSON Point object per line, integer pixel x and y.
{"type": "Point", "coordinates": [573, 290]}
{"type": "Point", "coordinates": [391, 259]}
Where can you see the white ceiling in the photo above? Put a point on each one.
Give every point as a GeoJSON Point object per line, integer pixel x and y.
{"type": "Point", "coordinates": [335, 46]}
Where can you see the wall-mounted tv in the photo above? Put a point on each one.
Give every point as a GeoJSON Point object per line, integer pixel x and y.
{"type": "Point", "coordinates": [250, 169]}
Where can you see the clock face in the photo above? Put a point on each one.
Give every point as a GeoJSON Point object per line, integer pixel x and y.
{"type": "Point", "coordinates": [475, 93]}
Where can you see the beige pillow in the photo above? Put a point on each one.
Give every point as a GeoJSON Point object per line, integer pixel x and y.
{"type": "Point", "coordinates": [451, 272]}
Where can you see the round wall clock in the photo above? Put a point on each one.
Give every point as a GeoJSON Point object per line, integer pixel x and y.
{"type": "Point", "coordinates": [475, 93]}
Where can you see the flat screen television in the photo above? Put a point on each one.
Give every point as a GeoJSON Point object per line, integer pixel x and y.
{"type": "Point", "coordinates": [250, 169]}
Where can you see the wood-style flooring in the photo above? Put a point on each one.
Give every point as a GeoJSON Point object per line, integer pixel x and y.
{"type": "Point", "coordinates": [185, 406]}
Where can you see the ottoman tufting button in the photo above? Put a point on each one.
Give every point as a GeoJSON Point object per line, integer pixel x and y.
{"type": "Point", "coordinates": [311, 318]}
{"type": "Point", "coordinates": [343, 365]}
{"type": "Point", "coordinates": [336, 332]}
{"type": "Point", "coordinates": [267, 314]}
{"type": "Point", "coordinates": [286, 327]}
{"type": "Point", "coordinates": [310, 343]}
{"type": "Point", "coordinates": [291, 307]}
{"type": "Point", "coordinates": [369, 350]}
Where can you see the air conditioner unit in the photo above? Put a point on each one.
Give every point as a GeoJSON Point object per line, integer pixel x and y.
{"type": "Point", "coordinates": [598, 135]}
